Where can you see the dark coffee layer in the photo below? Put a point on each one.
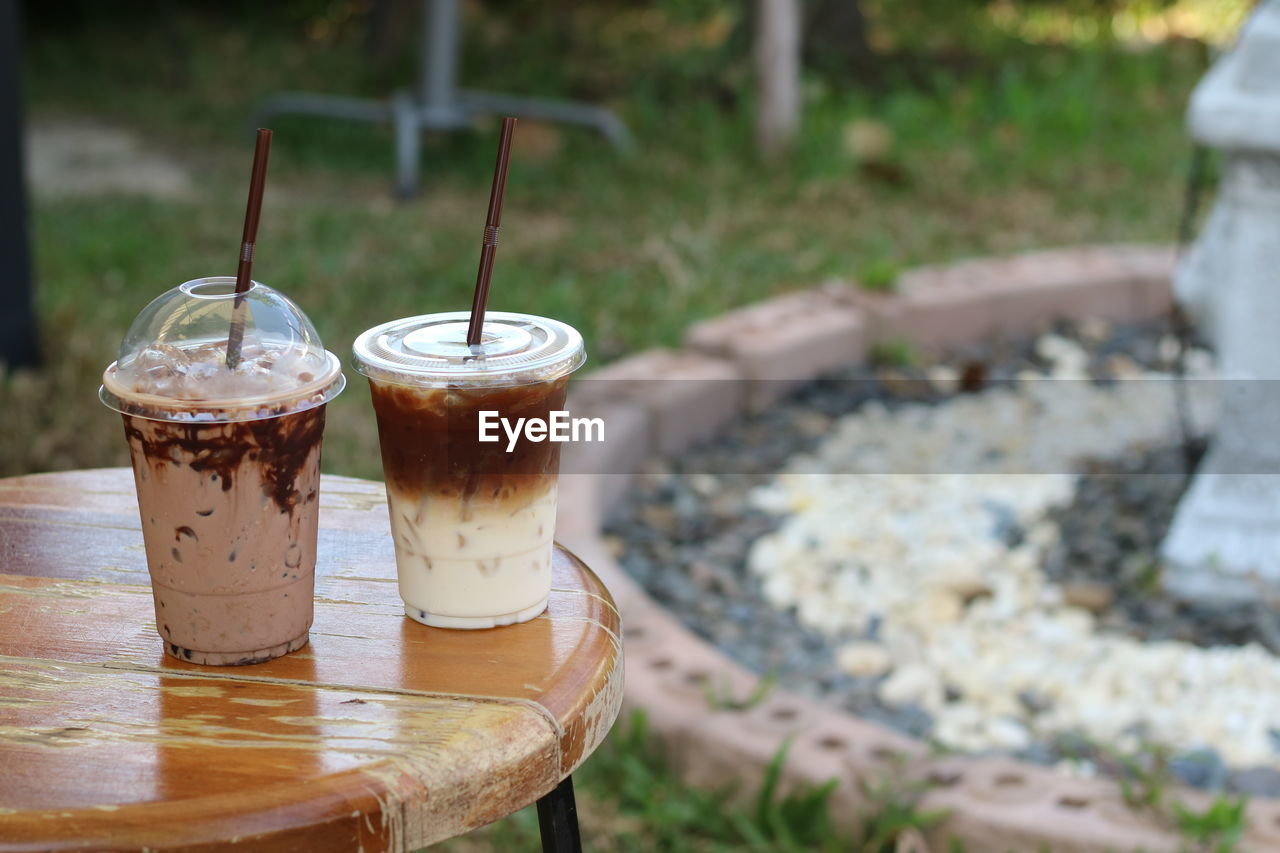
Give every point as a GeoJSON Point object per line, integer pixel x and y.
{"type": "Point", "coordinates": [279, 445]}
{"type": "Point", "coordinates": [430, 440]}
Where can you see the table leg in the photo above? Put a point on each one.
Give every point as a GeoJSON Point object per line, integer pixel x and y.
{"type": "Point", "coordinates": [558, 820]}
{"type": "Point", "coordinates": [408, 138]}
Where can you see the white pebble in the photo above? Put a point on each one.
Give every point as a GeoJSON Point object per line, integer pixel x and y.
{"type": "Point", "coordinates": [864, 659]}
{"type": "Point", "coordinates": [918, 552]}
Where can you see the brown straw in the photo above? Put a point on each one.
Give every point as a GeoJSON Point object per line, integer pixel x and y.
{"type": "Point", "coordinates": [490, 244]}
{"type": "Point", "coordinates": [244, 273]}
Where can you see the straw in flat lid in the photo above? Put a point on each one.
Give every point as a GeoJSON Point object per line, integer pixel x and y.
{"type": "Point", "coordinates": [489, 244]}
{"type": "Point", "coordinates": [433, 349]}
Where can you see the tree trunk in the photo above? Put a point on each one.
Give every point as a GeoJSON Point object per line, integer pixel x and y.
{"type": "Point", "coordinates": [777, 61]}
{"type": "Point", "coordinates": [17, 318]}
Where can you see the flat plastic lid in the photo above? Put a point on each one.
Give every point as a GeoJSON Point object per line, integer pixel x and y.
{"type": "Point", "coordinates": [432, 350]}
{"type": "Point", "coordinates": [172, 363]}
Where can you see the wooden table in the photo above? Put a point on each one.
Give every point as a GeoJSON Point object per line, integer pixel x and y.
{"type": "Point", "coordinates": [382, 734]}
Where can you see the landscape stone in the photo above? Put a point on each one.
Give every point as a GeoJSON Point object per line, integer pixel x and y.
{"type": "Point", "coordinates": [689, 395]}
{"type": "Point", "coordinates": [783, 342]}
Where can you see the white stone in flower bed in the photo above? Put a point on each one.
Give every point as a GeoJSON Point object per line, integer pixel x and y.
{"type": "Point", "coordinates": [960, 612]}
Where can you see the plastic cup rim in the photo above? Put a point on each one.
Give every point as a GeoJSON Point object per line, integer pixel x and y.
{"type": "Point", "coordinates": [505, 376]}
{"type": "Point", "coordinates": [239, 409]}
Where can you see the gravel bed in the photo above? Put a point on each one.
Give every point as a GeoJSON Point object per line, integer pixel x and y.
{"type": "Point", "coordinates": [685, 529]}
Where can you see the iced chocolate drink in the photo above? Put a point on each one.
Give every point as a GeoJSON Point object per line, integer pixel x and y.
{"type": "Point", "coordinates": [472, 520]}
{"type": "Point", "coordinates": [226, 463]}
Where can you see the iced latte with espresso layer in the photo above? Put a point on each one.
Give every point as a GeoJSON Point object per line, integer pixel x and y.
{"type": "Point", "coordinates": [472, 520]}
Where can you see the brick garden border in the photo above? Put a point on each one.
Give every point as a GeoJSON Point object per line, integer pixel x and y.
{"type": "Point", "coordinates": [994, 804]}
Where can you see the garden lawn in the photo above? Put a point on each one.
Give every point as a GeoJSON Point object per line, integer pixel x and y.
{"type": "Point", "coordinates": [1034, 147]}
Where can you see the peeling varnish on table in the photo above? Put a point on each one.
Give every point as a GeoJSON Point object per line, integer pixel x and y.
{"type": "Point", "coordinates": [73, 589]}
{"type": "Point", "coordinates": [586, 594]}
{"type": "Point", "coordinates": [193, 691]}
{"type": "Point", "coordinates": [124, 525]}
{"type": "Point", "coordinates": [601, 711]}
{"type": "Point", "coordinates": [595, 623]}
{"type": "Point", "coordinates": [264, 703]}
{"type": "Point", "coordinates": [320, 599]}
{"type": "Point", "coordinates": [424, 763]}
{"type": "Point", "coordinates": [394, 727]}
{"type": "Point", "coordinates": [20, 485]}
{"type": "Point", "coordinates": [354, 501]}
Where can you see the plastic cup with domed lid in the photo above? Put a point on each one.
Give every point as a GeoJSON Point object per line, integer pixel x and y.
{"type": "Point", "coordinates": [227, 465]}
{"type": "Point", "coordinates": [472, 520]}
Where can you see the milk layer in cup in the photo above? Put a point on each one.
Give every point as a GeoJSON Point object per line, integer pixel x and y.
{"type": "Point", "coordinates": [472, 522]}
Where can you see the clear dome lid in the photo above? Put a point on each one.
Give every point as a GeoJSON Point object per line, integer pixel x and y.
{"type": "Point", "coordinates": [172, 363]}
{"type": "Point", "coordinates": [432, 350]}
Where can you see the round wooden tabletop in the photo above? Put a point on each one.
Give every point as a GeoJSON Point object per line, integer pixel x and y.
{"type": "Point", "coordinates": [381, 734]}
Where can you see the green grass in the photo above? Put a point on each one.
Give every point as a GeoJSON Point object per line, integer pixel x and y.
{"type": "Point", "coordinates": [1025, 148]}
{"type": "Point", "coordinates": [1149, 785]}
{"type": "Point", "coordinates": [1041, 147]}
{"type": "Point", "coordinates": [630, 799]}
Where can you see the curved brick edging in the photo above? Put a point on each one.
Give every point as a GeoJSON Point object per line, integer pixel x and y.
{"type": "Point", "coordinates": [994, 804]}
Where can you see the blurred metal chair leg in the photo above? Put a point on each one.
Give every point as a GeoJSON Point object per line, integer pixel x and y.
{"type": "Point", "coordinates": [408, 143]}
{"type": "Point", "coordinates": [603, 120]}
{"type": "Point", "coordinates": [18, 346]}
{"type": "Point", "coordinates": [438, 103]}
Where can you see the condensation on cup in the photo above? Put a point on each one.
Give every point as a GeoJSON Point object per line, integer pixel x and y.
{"type": "Point", "coordinates": [227, 465]}
{"type": "Point", "coordinates": [472, 521]}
